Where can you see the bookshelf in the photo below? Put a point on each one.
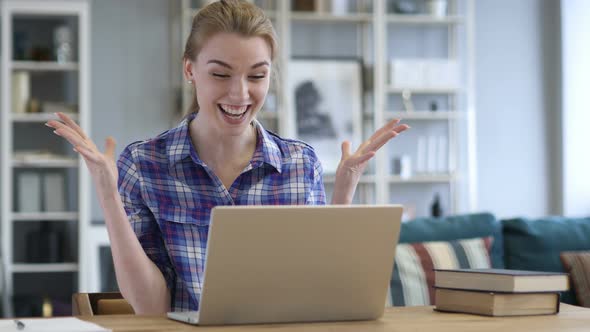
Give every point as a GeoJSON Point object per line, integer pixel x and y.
{"type": "Point", "coordinates": [45, 186]}
{"type": "Point", "coordinates": [376, 34]}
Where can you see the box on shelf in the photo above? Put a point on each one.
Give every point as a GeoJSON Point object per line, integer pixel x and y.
{"type": "Point", "coordinates": [424, 73]}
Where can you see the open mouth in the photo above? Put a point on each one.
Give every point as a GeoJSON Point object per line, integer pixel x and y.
{"type": "Point", "coordinates": [234, 112]}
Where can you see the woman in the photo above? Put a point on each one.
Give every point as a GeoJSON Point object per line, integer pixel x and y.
{"type": "Point", "coordinates": [157, 215]}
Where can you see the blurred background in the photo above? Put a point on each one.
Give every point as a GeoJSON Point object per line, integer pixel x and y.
{"type": "Point", "coordinates": [493, 91]}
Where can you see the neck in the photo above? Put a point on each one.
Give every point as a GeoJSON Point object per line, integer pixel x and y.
{"type": "Point", "coordinates": [218, 149]}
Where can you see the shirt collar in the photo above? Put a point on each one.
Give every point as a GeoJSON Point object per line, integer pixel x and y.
{"type": "Point", "coordinates": [179, 146]}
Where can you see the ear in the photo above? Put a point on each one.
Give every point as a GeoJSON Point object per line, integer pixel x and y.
{"type": "Point", "coordinates": [187, 69]}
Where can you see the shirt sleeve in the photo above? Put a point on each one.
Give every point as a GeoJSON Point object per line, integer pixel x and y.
{"type": "Point", "coordinates": [318, 193]}
{"type": "Point", "coordinates": [142, 219]}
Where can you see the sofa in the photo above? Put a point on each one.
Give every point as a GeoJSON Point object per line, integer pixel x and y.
{"type": "Point", "coordinates": [481, 241]}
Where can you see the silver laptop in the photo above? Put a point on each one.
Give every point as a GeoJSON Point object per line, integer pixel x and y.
{"type": "Point", "coordinates": [278, 264]}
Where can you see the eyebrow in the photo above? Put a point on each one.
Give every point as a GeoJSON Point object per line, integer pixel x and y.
{"type": "Point", "coordinates": [221, 63]}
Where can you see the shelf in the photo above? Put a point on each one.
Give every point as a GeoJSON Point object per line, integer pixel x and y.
{"type": "Point", "coordinates": [46, 163]}
{"type": "Point", "coordinates": [44, 267]}
{"type": "Point", "coordinates": [423, 19]}
{"type": "Point", "coordinates": [423, 115]}
{"type": "Point", "coordinates": [365, 179]}
{"type": "Point", "coordinates": [425, 178]}
{"type": "Point", "coordinates": [44, 66]}
{"type": "Point", "coordinates": [39, 117]}
{"type": "Point", "coordinates": [329, 18]}
{"type": "Point", "coordinates": [272, 14]}
{"type": "Point", "coordinates": [50, 216]}
{"type": "Point", "coordinates": [425, 91]}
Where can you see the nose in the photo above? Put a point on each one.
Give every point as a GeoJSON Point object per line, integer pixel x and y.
{"type": "Point", "coordinates": [239, 89]}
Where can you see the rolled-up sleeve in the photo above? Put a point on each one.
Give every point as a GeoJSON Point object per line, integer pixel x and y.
{"type": "Point", "coordinates": [142, 219]}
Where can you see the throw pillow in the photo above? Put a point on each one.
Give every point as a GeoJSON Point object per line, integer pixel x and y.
{"type": "Point", "coordinates": [535, 244]}
{"type": "Point", "coordinates": [413, 275]}
{"type": "Point", "coordinates": [577, 264]}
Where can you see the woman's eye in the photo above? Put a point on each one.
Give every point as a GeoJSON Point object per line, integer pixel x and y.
{"type": "Point", "coordinates": [220, 75]}
{"type": "Point", "coordinates": [257, 77]}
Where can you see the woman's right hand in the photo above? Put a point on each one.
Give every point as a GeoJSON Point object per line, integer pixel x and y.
{"type": "Point", "coordinates": [102, 166]}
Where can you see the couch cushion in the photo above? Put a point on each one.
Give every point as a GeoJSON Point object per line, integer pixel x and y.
{"type": "Point", "coordinates": [535, 244]}
{"type": "Point", "coordinates": [577, 264]}
{"type": "Point", "coordinates": [457, 227]}
{"type": "Point", "coordinates": [413, 275]}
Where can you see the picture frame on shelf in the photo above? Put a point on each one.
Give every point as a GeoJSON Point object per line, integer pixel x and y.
{"type": "Point", "coordinates": [327, 103]}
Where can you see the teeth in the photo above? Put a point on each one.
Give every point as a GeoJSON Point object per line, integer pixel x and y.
{"type": "Point", "coordinates": [234, 110]}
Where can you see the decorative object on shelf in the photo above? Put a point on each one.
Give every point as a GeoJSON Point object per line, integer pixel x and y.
{"type": "Point", "coordinates": [34, 106]}
{"type": "Point", "coordinates": [442, 165]}
{"type": "Point", "coordinates": [28, 192]}
{"type": "Point", "coordinates": [424, 73]}
{"type": "Point", "coordinates": [54, 196]}
{"type": "Point", "coordinates": [22, 46]}
{"type": "Point", "coordinates": [405, 7]}
{"type": "Point", "coordinates": [437, 8]}
{"type": "Point", "coordinates": [432, 155]}
{"type": "Point", "coordinates": [402, 166]}
{"type": "Point", "coordinates": [63, 48]}
{"type": "Point", "coordinates": [433, 106]}
{"type": "Point", "coordinates": [44, 245]}
{"type": "Point", "coordinates": [340, 7]}
{"type": "Point", "coordinates": [327, 97]}
{"type": "Point", "coordinates": [422, 154]}
{"type": "Point", "coordinates": [303, 5]}
{"type": "Point", "coordinates": [407, 100]}
{"type": "Point", "coordinates": [47, 307]}
{"type": "Point", "coordinates": [436, 208]}
{"type": "Point", "coordinates": [21, 91]}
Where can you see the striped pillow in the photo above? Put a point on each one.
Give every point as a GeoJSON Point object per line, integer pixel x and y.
{"type": "Point", "coordinates": [413, 276]}
{"type": "Point", "coordinates": [577, 264]}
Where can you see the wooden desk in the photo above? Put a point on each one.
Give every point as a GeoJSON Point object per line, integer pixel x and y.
{"type": "Point", "coordinates": [570, 319]}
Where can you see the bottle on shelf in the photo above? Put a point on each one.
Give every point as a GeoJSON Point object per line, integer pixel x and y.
{"type": "Point", "coordinates": [436, 208]}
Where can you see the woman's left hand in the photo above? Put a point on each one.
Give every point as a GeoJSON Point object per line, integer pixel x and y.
{"type": "Point", "coordinates": [352, 166]}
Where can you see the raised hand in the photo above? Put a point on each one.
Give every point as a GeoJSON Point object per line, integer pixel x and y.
{"type": "Point", "coordinates": [352, 165]}
{"type": "Point", "coordinates": [102, 166]}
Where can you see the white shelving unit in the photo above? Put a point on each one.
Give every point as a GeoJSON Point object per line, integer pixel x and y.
{"type": "Point", "coordinates": [26, 15]}
{"type": "Point", "coordinates": [373, 32]}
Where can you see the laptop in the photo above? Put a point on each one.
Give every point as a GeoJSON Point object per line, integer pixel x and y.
{"type": "Point", "coordinates": [281, 264]}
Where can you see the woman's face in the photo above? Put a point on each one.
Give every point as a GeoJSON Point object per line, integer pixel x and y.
{"type": "Point", "coordinates": [232, 77]}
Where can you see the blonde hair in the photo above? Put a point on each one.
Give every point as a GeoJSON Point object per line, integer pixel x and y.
{"type": "Point", "coordinates": [232, 16]}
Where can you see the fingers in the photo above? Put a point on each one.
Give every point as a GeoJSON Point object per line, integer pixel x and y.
{"type": "Point", "coordinates": [87, 154]}
{"type": "Point", "coordinates": [345, 150]}
{"type": "Point", "coordinates": [72, 124]}
{"type": "Point", "coordinates": [365, 157]}
{"type": "Point", "coordinates": [379, 141]}
{"type": "Point", "coordinates": [69, 134]}
{"type": "Point", "coordinates": [387, 127]}
{"type": "Point", "coordinates": [109, 150]}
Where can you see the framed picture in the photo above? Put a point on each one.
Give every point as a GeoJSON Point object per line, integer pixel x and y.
{"type": "Point", "coordinates": [326, 96]}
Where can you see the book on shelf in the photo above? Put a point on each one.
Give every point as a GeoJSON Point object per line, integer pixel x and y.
{"type": "Point", "coordinates": [501, 280]}
{"type": "Point", "coordinates": [496, 303]}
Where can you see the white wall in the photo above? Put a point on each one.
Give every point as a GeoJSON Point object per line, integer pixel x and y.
{"type": "Point", "coordinates": [516, 93]}
{"type": "Point", "coordinates": [132, 91]}
{"type": "Point", "coordinates": [576, 106]}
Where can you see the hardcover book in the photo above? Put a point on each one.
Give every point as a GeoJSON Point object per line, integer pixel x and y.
{"type": "Point", "coordinates": [496, 304]}
{"type": "Point", "coordinates": [501, 280]}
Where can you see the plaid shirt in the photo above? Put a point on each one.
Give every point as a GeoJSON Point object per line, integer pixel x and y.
{"type": "Point", "coordinates": [168, 194]}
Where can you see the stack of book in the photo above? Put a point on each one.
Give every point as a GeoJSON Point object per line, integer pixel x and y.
{"type": "Point", "coordinates": [497, 292]}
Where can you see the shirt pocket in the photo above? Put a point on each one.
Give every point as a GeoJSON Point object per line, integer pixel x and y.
{"type": "Point", "coordinates": [185, 234]}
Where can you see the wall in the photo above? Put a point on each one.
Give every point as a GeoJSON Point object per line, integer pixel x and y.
{"type": "Point", "coordinates": [516, 89]}
{"type": "Point", "coordinates": [131, 87]}
{"type": "Point", "coordinates": [576, 115]}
